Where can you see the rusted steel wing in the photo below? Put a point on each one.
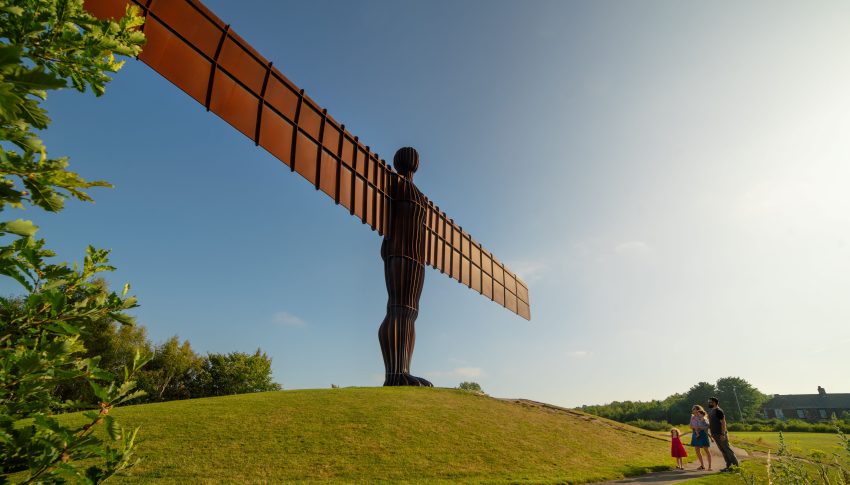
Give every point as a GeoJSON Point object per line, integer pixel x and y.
{"type": "Point", "coordinates": [452, 250]}
{"type": "Point", "coordinates": [191, 47]}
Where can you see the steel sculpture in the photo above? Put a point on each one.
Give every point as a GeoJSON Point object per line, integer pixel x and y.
{"type": "Point", "coordinates": [191, 47]}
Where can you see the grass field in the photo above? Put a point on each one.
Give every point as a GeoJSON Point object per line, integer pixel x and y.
{"type": "Point", "coordinates": [373, 435]}
{"type": "Point", "coordinates": [800, 444]}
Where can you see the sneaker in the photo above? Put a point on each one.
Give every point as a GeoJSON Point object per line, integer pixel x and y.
{"type": "Point", "coordinates": [724, 470]}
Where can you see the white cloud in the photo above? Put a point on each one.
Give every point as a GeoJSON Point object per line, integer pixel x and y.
{"type": "Point", "coordinates": [579, 353]}
{"type": "Point", "coordinates": [287, 319]}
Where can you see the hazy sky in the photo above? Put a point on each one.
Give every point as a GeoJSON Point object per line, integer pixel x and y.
{"type": "Point", "coordinates": [670, 178]}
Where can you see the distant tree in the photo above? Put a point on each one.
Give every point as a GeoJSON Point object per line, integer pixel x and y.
{"type": "Point", "coordinates": [470, 386]}
{"type": "Point", "coordinates": [678, 408]}
{"type": "Point", "coordinates": [172, 371]}
{"type": "Point", "coordinates": [699, 394]}
{"type": "Point", "coordinates": [749, 398]}
{"type": "Point", "coordinates": [236, 373]}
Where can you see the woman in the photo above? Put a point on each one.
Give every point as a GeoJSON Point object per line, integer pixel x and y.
{"type": "Point", "coordinates": [699, 437]}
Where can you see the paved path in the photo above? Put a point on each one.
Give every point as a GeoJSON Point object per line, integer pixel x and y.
{"type": "Point", "coordinates": [690, 472]}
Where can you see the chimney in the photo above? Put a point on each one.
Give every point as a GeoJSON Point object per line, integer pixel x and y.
{"type": "Point", "coordinates": [821, 391]}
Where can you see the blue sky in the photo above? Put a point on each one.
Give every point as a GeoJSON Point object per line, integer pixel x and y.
{"type": "Point", "coordinates": [669, 177]}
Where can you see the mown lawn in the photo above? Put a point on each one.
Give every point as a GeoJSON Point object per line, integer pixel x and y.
{"type": "Point", "coordinates": [374, 435]}
{"type": "Point", "coordinates": [800, 444]}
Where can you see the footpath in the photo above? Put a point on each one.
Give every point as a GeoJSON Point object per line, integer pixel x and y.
{"type": "Point", "coordinates": [689, 473]}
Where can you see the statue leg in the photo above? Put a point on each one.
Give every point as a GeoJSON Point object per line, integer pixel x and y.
{"type": "Point", "coordinates": [397, 335]}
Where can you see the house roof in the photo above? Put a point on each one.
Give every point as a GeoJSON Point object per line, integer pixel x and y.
{"type": "Point", "coordinates": [802, 401]}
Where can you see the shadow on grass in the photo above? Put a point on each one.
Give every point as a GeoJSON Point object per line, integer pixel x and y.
{"type": "Point", "coordinates": [636, 471]}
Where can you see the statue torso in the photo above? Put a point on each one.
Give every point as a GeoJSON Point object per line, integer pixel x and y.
{"type": "Point", "coordinates": [406, 234]}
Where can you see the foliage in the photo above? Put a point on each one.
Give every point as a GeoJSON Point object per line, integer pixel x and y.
{"type": "Point", "coordinates": [236, 373]}
{"type": "Point", "coordinates": [699, 394]}
{"type": "Point", "coordinates": [470, 386]}
{"type": "Point", "coordinates": [115, 344]}
{"type": "Point", "coordinates": [794, 425]}
{"type": "Point", "coordinates": [650, 425]}
{"type": "Point", "coordinates": [175, 370]}
{"type": "Point", "coordinates": [40, 348]}
{"type": "Point", "coordinates": [624, 411]}
{"type": "Point", "coordinates": [47, 45]}
{"type": "Point", "coordinates": [172, 372]}
{"type": "Point", "coordinates": [732, 391]}
{"type": "Point", "coordinates": [676, 408]}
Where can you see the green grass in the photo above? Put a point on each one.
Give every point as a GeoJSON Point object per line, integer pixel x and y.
{"type": "Point", "coordinates": [798, 443]}
{"type": "Point", "coordinates": [372, 435]}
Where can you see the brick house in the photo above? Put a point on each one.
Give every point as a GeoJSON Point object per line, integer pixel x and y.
{"type": "Point", "coordinates": [807, 407]}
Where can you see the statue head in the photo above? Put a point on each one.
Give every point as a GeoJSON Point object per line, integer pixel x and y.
{"type": "Point", "coordinates": [406, 161]}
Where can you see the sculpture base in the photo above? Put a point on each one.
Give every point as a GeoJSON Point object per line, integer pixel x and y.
{"type": "Point", "coordinates": [406, 380]}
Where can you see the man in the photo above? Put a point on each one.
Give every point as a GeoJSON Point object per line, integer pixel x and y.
{"type": "Point", "coordinates": [717, 427]}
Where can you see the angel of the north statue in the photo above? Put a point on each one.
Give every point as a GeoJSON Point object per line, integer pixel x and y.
{"type": "Point", "coordinates": [191, 47]}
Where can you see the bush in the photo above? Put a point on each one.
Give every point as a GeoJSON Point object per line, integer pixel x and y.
{"type": "Point", "coordinates": [470, 386]}
{"type": "Point", "coordinates": [650, 425]}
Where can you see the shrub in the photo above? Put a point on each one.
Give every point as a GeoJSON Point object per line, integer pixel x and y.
{"type": "Point", "coordinates": [470, 386]}
{"type": "Point", "coordinates": [650, 425]}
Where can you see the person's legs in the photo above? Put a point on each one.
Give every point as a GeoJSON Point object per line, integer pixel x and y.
{"type": "Point", "coordinates": [728, 455]}
{"type": "Point", "coordinates": [707, 457]}
{"type": "Point", "coordinates": [699, 456]}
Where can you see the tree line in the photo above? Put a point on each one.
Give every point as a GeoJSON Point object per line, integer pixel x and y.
{"type": "Point", "coordinates": [173, 371]}
{"type": "Point", "coordinates": [739, 399]}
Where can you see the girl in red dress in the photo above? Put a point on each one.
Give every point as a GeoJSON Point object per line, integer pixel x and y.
{"type": "Point", "coordinates": [677, 449]}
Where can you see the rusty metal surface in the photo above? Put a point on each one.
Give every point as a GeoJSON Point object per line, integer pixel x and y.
{"type": "Point", "coordinates": [403, 252]}
{"type": "Point", "coordinates": [195, 50]}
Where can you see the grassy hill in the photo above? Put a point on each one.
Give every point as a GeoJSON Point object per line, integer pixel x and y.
{"type": "Point", "coordinates": [374, 435]}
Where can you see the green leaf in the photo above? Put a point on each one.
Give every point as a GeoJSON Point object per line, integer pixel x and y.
{"type": "Point", "coordinates": [115, 431]}
{"type": "Point", "coordinates": [33, 114]}
{"type": "Point", "coordinates": [9, 102]}
{"type": "Point", "coordinates": [123, 318]}
{"type": "Point", "coordinates": [19, 227]}
{"type": "Point", "coordinates": [10, 55]}
{"type": "Point", "coordinates": [36, 79]}
{"type": "Point", "coordinates": [16, 11]}
{"type": "Point", "coordinates": [99, 391]}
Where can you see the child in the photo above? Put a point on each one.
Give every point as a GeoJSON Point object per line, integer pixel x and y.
{"type": "Point", "coordinates": [677, 450]}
